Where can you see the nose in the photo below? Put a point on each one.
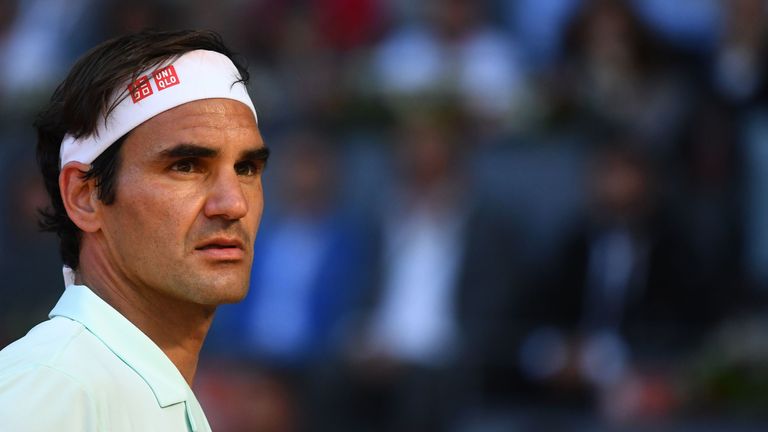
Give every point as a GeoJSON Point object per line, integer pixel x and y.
{"type": "Point", "coordinates": [226, 198]}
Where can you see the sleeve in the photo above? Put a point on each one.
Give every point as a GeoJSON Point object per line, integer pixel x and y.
{"type": "Point", "coordinates": [45, 399]}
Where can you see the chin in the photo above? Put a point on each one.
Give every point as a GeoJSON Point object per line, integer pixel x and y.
{"type": "Point", "coordinates": [233, 296]}
{"type": "Point", "coordinates": [223, 292]}
{"type": "Point", "coordinates": [212, 288]}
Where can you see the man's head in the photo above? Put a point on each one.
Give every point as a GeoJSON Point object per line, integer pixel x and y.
{"type": "Point", "coordinates": [152, 159]}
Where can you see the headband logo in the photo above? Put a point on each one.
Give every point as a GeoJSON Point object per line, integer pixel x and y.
{"type": "Point", "coordinates": [142, 87]}
{"type": "Point", "coordinates": [166, 77]}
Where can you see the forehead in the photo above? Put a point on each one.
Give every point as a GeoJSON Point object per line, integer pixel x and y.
{"type": "Point", "coordinates": [207, 122]}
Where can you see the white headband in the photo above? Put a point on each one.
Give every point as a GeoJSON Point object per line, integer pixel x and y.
{"type": "Point", "coordinates": [195, 75]}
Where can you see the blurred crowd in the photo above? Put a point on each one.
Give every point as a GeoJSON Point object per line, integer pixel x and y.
{"type": "Point", "coordinates": [480, 216]}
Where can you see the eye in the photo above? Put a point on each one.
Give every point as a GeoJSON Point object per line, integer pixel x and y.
{"type": "Point", "coordinates": [248, 168]}
{"type": "Point", "coordinates": [185, 166]}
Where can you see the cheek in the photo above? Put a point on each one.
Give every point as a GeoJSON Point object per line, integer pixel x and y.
{"type": "Point", "coordinates": [153, 217]}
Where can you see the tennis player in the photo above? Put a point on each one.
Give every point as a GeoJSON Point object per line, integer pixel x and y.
{"type": "Point", "coordinates": [152, 157]}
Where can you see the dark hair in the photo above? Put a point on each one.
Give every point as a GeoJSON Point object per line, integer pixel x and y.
{"type": "Point", "coordinates": [647, 51]}
{"type": "Point", "coordinates": [94, 86]}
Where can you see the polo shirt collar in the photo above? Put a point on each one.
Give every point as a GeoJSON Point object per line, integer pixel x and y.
{"type": "Point", "coordinates": [126, 341]}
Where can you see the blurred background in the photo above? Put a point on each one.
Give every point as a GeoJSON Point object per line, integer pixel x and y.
{"type": "Point", "coordinates": [481, 216]}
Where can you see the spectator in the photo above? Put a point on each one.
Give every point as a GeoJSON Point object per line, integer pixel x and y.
{"type": "Point", "coordinates": [456, 52]}
{"type": "Point", "coordinates": [615, 72]}
{"type": "Point", "coordinates": [623, 298]}
{"type": "Point", "coordinates": [445, 268]}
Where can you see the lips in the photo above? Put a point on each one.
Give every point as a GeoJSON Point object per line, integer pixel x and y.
{"type": "Point", "coordinates": [222, 249]}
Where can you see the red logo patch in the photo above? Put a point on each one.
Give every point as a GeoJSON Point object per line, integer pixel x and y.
{"type": "Point", "coordinates": [140, 89]}
{"type": "Point", "coordinates": [166, 77]}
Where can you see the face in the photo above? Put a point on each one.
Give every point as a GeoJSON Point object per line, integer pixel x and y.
{"type": "Point", "coordinates": [188, 203]}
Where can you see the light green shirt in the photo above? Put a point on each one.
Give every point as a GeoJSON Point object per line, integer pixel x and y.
{"type": "Point", "coordinates": [90, 369]}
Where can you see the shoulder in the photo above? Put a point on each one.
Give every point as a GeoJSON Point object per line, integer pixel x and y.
{"type": "Point", "coordinates": [66, 346]}
{"type": "Point", "coordinates": [62, 377]}
{"type": "Point", "coordinates": [31, 400]}
{"type": "Point", "coordinates": [43, 345]}
{"type": "Point", "coordinates": [58, 360]}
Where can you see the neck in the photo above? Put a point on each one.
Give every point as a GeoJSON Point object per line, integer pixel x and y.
{"type": "Point", "coordinates": [178, 327]}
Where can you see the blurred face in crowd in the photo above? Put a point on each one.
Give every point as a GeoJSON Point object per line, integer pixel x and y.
{"type": "Point", "coordinates": [308, 182]}
{"type": "Point", "coordinates": [609, 35]}
{"type": "Point", "coordinates": [745, 22]}
{"type": "Point", "coordinates": [454, 18]}
{"type": "Point", "coordinates": [620, 186]}
{"type": "Point", "coordinates": [188, 203]}
{"type": "Point", "coordinates": [425, 153]}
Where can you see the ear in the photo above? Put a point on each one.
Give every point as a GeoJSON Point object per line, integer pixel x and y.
{"type": "Point", "coordinates": [79, 196]}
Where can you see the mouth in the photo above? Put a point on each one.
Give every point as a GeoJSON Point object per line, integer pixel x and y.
{"type": "Point", "coordinates": [222, 249]}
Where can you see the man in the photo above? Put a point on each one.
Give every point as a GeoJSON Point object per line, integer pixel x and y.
{"type": "Point", "coordinates": [152, 157]}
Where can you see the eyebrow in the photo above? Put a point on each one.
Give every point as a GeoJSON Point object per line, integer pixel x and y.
{"type": "Point", "coordinates": [192, 150]}
{"type": "Point", "coordinates": [259, 154]}
{"type": "Point", "coordinates": [188, 150]}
